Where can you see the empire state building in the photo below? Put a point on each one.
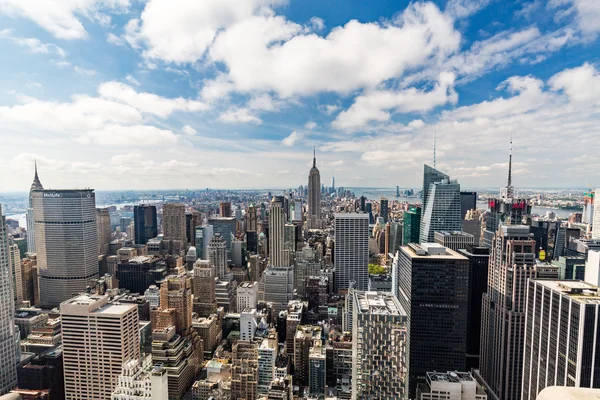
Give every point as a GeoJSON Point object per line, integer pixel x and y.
{"type": "Point", "coordinates": [314, 196]}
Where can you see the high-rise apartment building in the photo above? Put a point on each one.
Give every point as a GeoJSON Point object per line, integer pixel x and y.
{"type": "Point", "coordinates": [305, 337]}
{"type": "Point", "coordinates": [98, 338]}
{"type": "Point", "coordinates": [145, 223]}
{"type": "Point", "coordinates": [412, 225]}
{"type": "Point", "coordinates": [267, 355]}
{"type": "Point", "coordinates": [8, 334]}
{"type": "Point", "coordinates": [433, 290]}
{"type": "Point", "coordinates": [35, 185]}
{"type": "Point", "coordinates": [512, 263]}
{"type": "Point", "coordinates": [562, 336]}
{"type": "Point", "coordinates": [205, 302]}
{"type": "Point", "coordinates": [244, 370]}
{"type": "Point", "coordinates": [378, 346]}
{"type": "Point", "coordinates": [441, 207]}
{"type": "Point", "coordinates": [351, 257]}
{"type": "Point", "coordinates": [104, 230]}
{"type": "Point", "coordinates": [314, 196]}
{"type": "Point", "coordinates": [217, 255]}
{"type": "Point", "coordinates": [278, 255]}
{"type": "Point", "coordinates": [66, 242]}
{"type": "Point", "coordinates": [173, 220]}
{"type": "Point", "coordinates": [317, 370]}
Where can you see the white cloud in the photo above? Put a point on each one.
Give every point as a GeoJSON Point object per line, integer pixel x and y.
{"type": "Point", "coordinates": [83, 71]}
{"type": "Point", "coordinates": [465, 8]}
{"type": "Point", "coordinates": [264, 102]}
{"type": "Point", "coordinates": [114, 39]}
{"type": "Point", "coordinates": [239, 115]}
{"type": "Point", "coordinates": [581, 84]}
{"type": "Point", "coordinates": [34, 45]}
{"type": "Point", "coordinates": [329, 109]}
{"type": "Point", "coordinates": [588, 15]}
{"type": "Point", "coordinates": [132, 80]}
{"type": "Point", "coordinates": [416, 124]}
{"type": "Point", "coordinates": [188, 130]}
{"type": "Point", "coordinates": [310, 125]}
{"type": "Point", "coordinates": [374, 106]}
{"type": "Point", "coordinates": [135, 135]}
{"type": "Point", "coordinates": [62, 17]}
{"type": "Point", "coordinates": [292, 139]}
{"type": "Point", "coordinates": [148, 102]}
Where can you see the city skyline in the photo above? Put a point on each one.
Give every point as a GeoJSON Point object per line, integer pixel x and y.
{"type": "Point", "coordinates": [113, 89]}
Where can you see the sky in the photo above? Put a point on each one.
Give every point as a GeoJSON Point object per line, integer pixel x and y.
{"type": "Point", "coordinates": [175, 94]}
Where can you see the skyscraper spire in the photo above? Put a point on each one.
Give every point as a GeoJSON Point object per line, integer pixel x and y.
{"type": "Point", "coordinates": [509, 188]}
{"type": "Point", "coordinates": [315, 157]}
{"type": "Point", "coordinates": [36, 184]}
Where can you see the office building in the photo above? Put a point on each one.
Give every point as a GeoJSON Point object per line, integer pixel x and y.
{"type": "Point", "coordinates": [451, 385]}
{"type": "Point", "coordinates": [248, 324]}
{"type": "Point", "coordinates": [317, 370]}
{"type": "Point", "coordinates": [508, 209]}
{"type": "Point", "coordinates": [174, 223]}
{"type": "Point", "coordinates": [314, 196]}
{"type": "Point", "coordinates": [217, 255]}
{"type": "Point", "coordinates": [431, 176]}
{"type": "Point", "coordinates": [176, 302]}
{"type": "Point", "coordinates": [342, 365]}
{"type": "Point", "coordinates": [252, 220]}
{"type": "Point", "coordinates": [210, 331]}
{"type": "Point", "coordinates": [351, 258]}
{"type": "Point", "coordinates": [454, 240]}
{"type": "Point", "coordinates": [441, 208]}
{"type": "Point", "coordinates": [570, 267]}
{"type": "Point", "coordinates": [379, 337]}
{"type": "Point", "coordinates": [267, 354]}
{"type": "Point", "coordinates": [225, 294]}
{"type": "Point", "coordinates": [412, 225]}
{"type": "Point", "coordinates": [277, 286]}
{"type": "Point", "coordinates": [205, 302]}
{"type": "Point", "coordinates": [433, 290]}
{"type": "Point", "coordinates": [192, 220]}
{"type": "Point", "coordinates": [66, 242]}
{"type": "Point", "coordinates": [14, 256]}
{"type": "Point", "coordinates": [104, 230]}
{"type": "Point", "coordinates": [152, 295]}
{"type": "Point", "coordinates": [393, 237]}
{"type": "Point", "coordinates": [479, 258]}
{"type": "Point", "coordinates": [247, 295]}
{"type": "Point", "coordinates": [561, 336]}
{"type": "Point", "coordinates": [278, 255]}
{"type": "Point", "coordinates": [8, 333]}
{"type": "Point", "coordinates": [297, 214]}
{"type": "Point", "coordinates": [44, 372]}
{"type": "Point", "coordinates": [468, 201]}
{"type": "Point", "coordinates": [244, 370]}
{"type": "Point", "coordinates": [145, 223]}
{"type": "Point", "coordinates": [225, 209]}
{"type": "Point", "coordinates": [512, 263]}
{"type": "Point", "coordinates": [140, 382]}
{"type": "Point", "coordinates": [224, 226]}
{"type": "Point", "coordinates": [203, 235]}
{"type": "Point", "coordinates": [35, 185]}
{"type": "Point", "coordinates": [383, 209]}
{"type": "Point", "coordinates": [93, 363]}
{"type": "Point", "coordinates": [140, 272]}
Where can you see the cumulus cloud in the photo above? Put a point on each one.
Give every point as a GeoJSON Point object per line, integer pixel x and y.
{"type": "Point", "coordinates": [292, 139]}
{"type": "Point", "coordinates": [188, 130]}
{"type": "Point", "coordinates": [581, 84]}
{"type": "Point", "coordinates": [310, 125]}
{"type": "Point", "coordinates": [135, 135]}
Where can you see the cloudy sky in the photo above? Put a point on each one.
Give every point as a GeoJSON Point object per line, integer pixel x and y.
{"type": "Point", "coordinates": [117, 94]}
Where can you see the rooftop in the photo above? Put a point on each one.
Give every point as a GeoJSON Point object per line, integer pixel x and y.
{"type": "Point", "coordinates": [378, 303]}
{"type": "Point", "coordinates": [431, 250]}
{"type": "Point", "coordinates": [579, 291]}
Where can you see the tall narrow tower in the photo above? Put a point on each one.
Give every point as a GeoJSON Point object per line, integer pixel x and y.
{"type": "Point", "coordinates": [278, 256]}
{"type": "Point", "coordinates": [8, 361]}
{"type": "Point", "coordinates": [314, 195]}
{"type": "Point", "coordinates": [35, 185]}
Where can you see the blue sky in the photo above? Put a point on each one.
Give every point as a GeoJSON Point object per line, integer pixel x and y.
{"type": "Point", "coordinates": [118, 94]}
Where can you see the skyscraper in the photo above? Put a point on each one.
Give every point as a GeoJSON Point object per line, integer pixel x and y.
{"type": "Point", "coordinates": [66, 242]}
{"type": "Point", "coordinates": [512, 263]}
{"type": "Point", "coordinates": [244, 370]}
{"type": "Point", "coordinates": [35, 185]}
{"type": "Point", "coordinates": [98, 338]}
{"type": "Point", "coordinates": [441, 210]}
{"type": "Point", "coordinates": [104, 231]}
{"type": "Point", "coordinates": [508, 209]}
{"type": "Point", "coordinates": [217, 255]}
{"type": "Point", "coordinates": [314, 196]}
{"type": "Point", "coordinates": [562, 336]}
{"type": "Point", "coordinates": [8, 335]}
{"type": "Point", "coordinates": [173, 221]}
{"type": "Point", "coordinates": [225, 209]}
{"type": "Point", "coordinates": [278, 256]}
{"type": "Point", "coordinates": [252, 221]}
{"type": "Point", "coordinates": [351, 257]}
{"type": "Point", "coordinates": [145, 223]}
{"type": "Point", "coordinates": [383, 209]}
{"type": "Point", "coordinates": [433, 290]}
{"type": "Point", "coordinates": [378, 341]}
{"type": "Point", "coordinates": [205, 302]}
{"type": "Point", "coordinates": [16, 272]}
{"type": "Point", "coordinates": [596, 221]}
{"type": "Point", "coordinates": [431, 175]}
{"type": "Point", "coordinates": [468, 201]}
{"type": "Point", "coordinates": [412, 225]}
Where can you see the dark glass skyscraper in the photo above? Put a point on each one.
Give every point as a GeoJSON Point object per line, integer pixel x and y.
{"type": "Point", "coordinates": [433, 290]}
{"type": "Point", "coordinates": [145, 223]}
{"type": "Point", "coordinates": [412, 225]}
{"type": "Point", "coordinates": [468, 201]}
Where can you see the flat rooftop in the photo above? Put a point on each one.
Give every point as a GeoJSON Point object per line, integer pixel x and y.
{"type": "Point", "coordinates": [579, 291]}
{"type": "Point", "coordinates": [422, 252]}
{"type": "Point", "coordinates": [378, 303]}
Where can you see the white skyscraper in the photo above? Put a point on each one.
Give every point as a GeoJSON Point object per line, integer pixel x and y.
{"type": "Point", "coordinates": [596, 221]}
{"type": "Point", "coordinates": [98, 338]}
{"type": "Point", "coordinates": [36, 185]}
{"type": "Point", "coordinates": [278, 256]}
{"type": "Point", "coordinates": [15, 270]}
{"type": "Point", "coordinates": [314, 196]}
{"type": "Point", "coordinates": [8, 353]}
{"type": "Point", "coordinates": [351, 251]}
